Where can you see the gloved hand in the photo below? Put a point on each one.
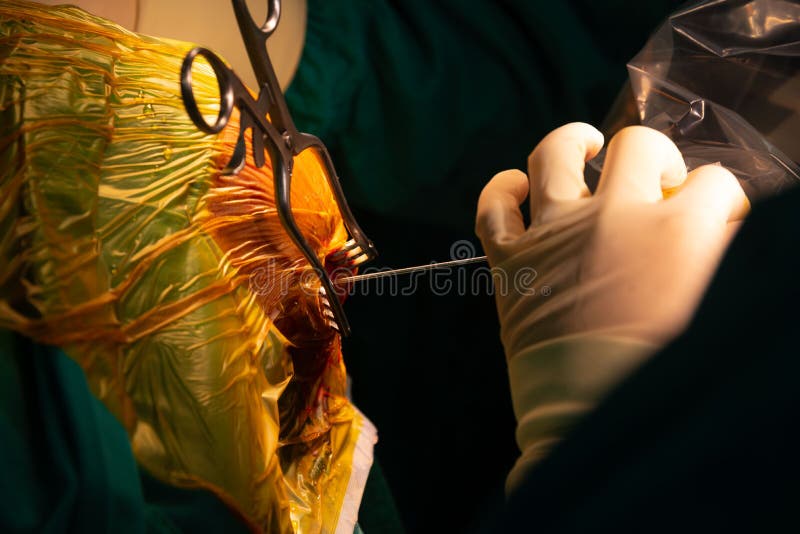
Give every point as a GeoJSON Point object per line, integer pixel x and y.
{"type": "Point", "coordinates": [618, 273]}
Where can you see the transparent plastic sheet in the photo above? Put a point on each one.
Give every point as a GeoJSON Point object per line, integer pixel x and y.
{"type": "Point", "coordinates": [722, 80]}
{"type": "Point", "coordinates": [172, 285]}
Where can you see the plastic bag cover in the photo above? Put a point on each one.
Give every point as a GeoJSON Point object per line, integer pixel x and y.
{"type": "Point", "coordinates": [722, 80]}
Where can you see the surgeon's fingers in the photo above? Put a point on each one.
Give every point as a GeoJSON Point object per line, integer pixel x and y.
{"type": "Point", "coordinates": [639, 163]}
{"type": "Point", "coordinates": [716, 191]}
{"type": "Point", "coordinates": [499, 218]}
{"type": "Point", "coordinates": [556, 166]}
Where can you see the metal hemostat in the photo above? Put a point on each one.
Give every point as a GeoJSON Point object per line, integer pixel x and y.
{"type": "Point", "coordinates": [281, 140]}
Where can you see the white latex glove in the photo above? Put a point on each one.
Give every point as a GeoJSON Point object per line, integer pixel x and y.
{"type": "Point", "coordinates": [619, 272]}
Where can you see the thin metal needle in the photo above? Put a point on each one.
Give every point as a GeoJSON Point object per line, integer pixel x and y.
{"type": "Point", "coordinates": [407, 270]}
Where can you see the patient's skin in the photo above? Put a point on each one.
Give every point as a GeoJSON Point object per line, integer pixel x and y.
{"type": "Point", "coordinates": [213, 26]}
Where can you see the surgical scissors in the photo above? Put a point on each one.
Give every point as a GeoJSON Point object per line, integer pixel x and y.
{"type": "Point", "coordinates": [280, 138]}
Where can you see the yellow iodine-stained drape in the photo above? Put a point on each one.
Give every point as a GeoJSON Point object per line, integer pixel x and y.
{"type": "Point", "coordinates": [121, 242]}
